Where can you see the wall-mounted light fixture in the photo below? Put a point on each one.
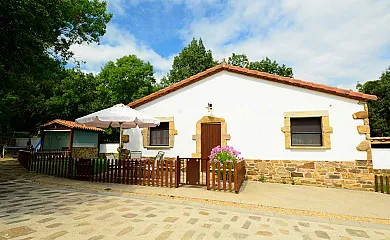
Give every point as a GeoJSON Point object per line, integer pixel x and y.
{"type": "Point", "coordinates": [209, 107]}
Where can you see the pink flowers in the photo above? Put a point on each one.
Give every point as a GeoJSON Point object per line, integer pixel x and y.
{"type": "Point", "coordinates": [224, 154]}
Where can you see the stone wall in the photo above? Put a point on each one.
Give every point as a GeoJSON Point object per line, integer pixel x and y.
{"type": "Point", "coordinates": [357, 174]}
{"type": "Point", "coordinates": [382, 171]}
{"type": "Point", "coordinates": [84, 152]}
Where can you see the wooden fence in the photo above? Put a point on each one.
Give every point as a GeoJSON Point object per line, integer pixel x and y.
{"type": "Point", "coordinates": [129, 171]}
{"type": "Point", "coordinates": [190, 172]}
{"type": "Point", "coordinates": [147, 172]}
{"type": "Point", "coordinates": [226, 176]}
{"type": "Point", "coordinates": [382, 184]}
{"type": "Point", "coordinates": [24, 158]}
{"type": "Point", "coordinates": [240, 176]}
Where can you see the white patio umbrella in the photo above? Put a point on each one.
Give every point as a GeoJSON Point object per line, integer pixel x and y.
{"type": "Point", "coordinates": [121, 116]}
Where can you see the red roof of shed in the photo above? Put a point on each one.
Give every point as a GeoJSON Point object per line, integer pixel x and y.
{"type": "Point", "coordinates": [72, 125]}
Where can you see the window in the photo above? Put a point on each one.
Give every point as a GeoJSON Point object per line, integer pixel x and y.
{"type": "Point", "coordinates": [159, 136]}
{"type": "Point", "coordinates": [306, 131]}
{"type": "Point", "coordinates": [162, 136]}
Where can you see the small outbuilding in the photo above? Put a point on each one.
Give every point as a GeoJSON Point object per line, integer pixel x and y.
{"type": "Point", "coordinates": [79, 140]}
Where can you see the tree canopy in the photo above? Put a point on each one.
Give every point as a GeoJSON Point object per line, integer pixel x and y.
{"type": "Point", "coordinates": [379, 110]}
{"type": "Point", "coordinates": [126, 80]}
{"type": "Point", "coordinates": [32, 30]}
{"type": "Point", "coordinates": [265, 65]}
{"type": "Point", "coordinates": [191, 60]}
{"type": "Point", "coordinates": [240, 60]}
{"type": "Point", "coordinates": [75, 96]}
{"type": "Point", "coordinates": [78, 93]}
{"type": "Point", "coordinates": [36, 36]}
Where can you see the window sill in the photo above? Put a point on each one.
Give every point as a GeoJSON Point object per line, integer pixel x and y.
{"type": "Point", "coordinates": [308, 147]}
{"type": "Point", "coordinates": [158, 147]}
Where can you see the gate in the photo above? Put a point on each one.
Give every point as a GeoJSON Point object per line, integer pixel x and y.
{"type": "Point", "coordinates": [84, 169]}
{"type": "Point", "coordinates": [190, 172]}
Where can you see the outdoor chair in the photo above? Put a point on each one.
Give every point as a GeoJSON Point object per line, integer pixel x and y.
{"type": "Point", "coordinates": [159, 157]}
{"type": "Point", "coordinates": [135, 155]}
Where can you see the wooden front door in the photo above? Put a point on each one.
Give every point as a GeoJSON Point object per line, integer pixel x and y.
{"type": "Point", "coordinates": [210, 138]}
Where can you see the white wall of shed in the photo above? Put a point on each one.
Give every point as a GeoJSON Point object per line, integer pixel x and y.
{"type": "Point", "coordinates": [381, 158]}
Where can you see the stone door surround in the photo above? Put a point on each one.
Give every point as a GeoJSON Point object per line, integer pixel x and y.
{"type": "Point", "coordinates": [197, 137]}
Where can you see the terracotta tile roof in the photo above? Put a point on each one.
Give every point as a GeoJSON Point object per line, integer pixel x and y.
{"type": "Point", "coordinates": [253, 73]}
{"type": "Point", "coordinates": [72, 125]}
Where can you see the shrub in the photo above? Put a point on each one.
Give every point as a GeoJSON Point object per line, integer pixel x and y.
{"type": "Point", "coordinates": [261, 178]}
{"type": "Point", "coordinates": [224, 154]}
{"type": "Point", "coordinates": [220, 155]}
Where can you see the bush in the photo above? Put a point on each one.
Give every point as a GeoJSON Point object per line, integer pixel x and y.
{"type": "Point", "coordinates": [224, 154]}
{"type": "Point", "coordinates": [220, 155]}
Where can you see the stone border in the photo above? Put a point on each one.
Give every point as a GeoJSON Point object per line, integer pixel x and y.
{"type": "Point", "coordinates": [326, 129]}
{"type": "Point", "coordinates": [84, 152]}
{"type": "Point", "coordinates": [232, 204]}
{"type": "Point", "coordinates": [198, 138]}
{"type": "Point", "coordinates": [172, 132]}
{"type": "Point", "coordinates": [365, 145]}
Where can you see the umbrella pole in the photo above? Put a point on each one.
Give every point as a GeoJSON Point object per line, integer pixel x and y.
{"type": "Point", "coordinates": [120, 140]}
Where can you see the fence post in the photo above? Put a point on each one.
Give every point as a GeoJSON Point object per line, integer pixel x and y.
{"type": "Point", "coordinates": [29, 161]}
{"type": "Point", "coordinates": [208, 175]}
{"type": "Point", "coordinates": [382, 183]}
{"type": "Point", "coordinates": [224, 176]}
{"type": "Point", "coordinates": [69, 167]}
{"type": "Point", "coordinates": [177, 172]}
{"type": "Point", "coordinates": [376, 183]}
{"type": "Point", "coordinates": [236, 184]}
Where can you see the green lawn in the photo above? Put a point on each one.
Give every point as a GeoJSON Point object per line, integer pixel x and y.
{"type": "Point", "coordinates": [379, 187]}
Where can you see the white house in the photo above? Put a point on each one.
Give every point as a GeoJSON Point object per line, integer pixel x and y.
{"type": "Point", "coordinates": [288, 130]}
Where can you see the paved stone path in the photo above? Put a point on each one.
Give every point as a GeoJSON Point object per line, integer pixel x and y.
{"type": "Point", "coordinates": [32, 211]}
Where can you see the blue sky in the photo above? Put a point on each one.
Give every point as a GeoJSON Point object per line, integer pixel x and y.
{"type": "Point", "coordinates": [326, 41]}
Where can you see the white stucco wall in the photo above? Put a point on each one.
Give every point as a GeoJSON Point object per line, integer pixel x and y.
{"type": "Point", "coordinates": [108, 147]}
{"type": "Point", "coordinates": [253, 110]}
{"type": "Point", "coordinates": [381, 158]}
{"type": "Point", "coordinates": [22, 142]}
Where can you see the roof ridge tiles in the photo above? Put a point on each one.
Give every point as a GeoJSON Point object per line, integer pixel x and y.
{"type": "Point", "coordinates": [256, 74]}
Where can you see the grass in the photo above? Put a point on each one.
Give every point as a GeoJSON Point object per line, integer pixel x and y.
{"type": "Point", "coordinates": [261, 178]}
{"type": "Point", "coordinates": [379, 187]}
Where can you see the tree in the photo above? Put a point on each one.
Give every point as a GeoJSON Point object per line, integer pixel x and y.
{"type": "Point", "coordinates": [265, 65]}
{"type": "Point", "coordinates": [240, 60]}
{"type": "Point", "coordinates": [191, 60]}
{"type": "Point", "coordinates": [75, 96]}
{"type": "Point", "coordinates": [126, 80]}
{"type": "Point", "coordinates": [22, 105]}
{"type": "Point", "coordinates": [379, 110]}
{"type": "Point", "coordinates": [32, 30]}
{"type": "Point", "coordinates": [36, 36]}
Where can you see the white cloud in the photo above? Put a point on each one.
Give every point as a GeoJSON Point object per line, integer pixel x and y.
{"type": "Point", "coordinates": [117, 43]}
{"type": "Point", "coordinates": [327, 41]}
{"type": "Point", "coordinates": [120, 6]}
{"type": "Point", "coordinates": [334, 42]}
